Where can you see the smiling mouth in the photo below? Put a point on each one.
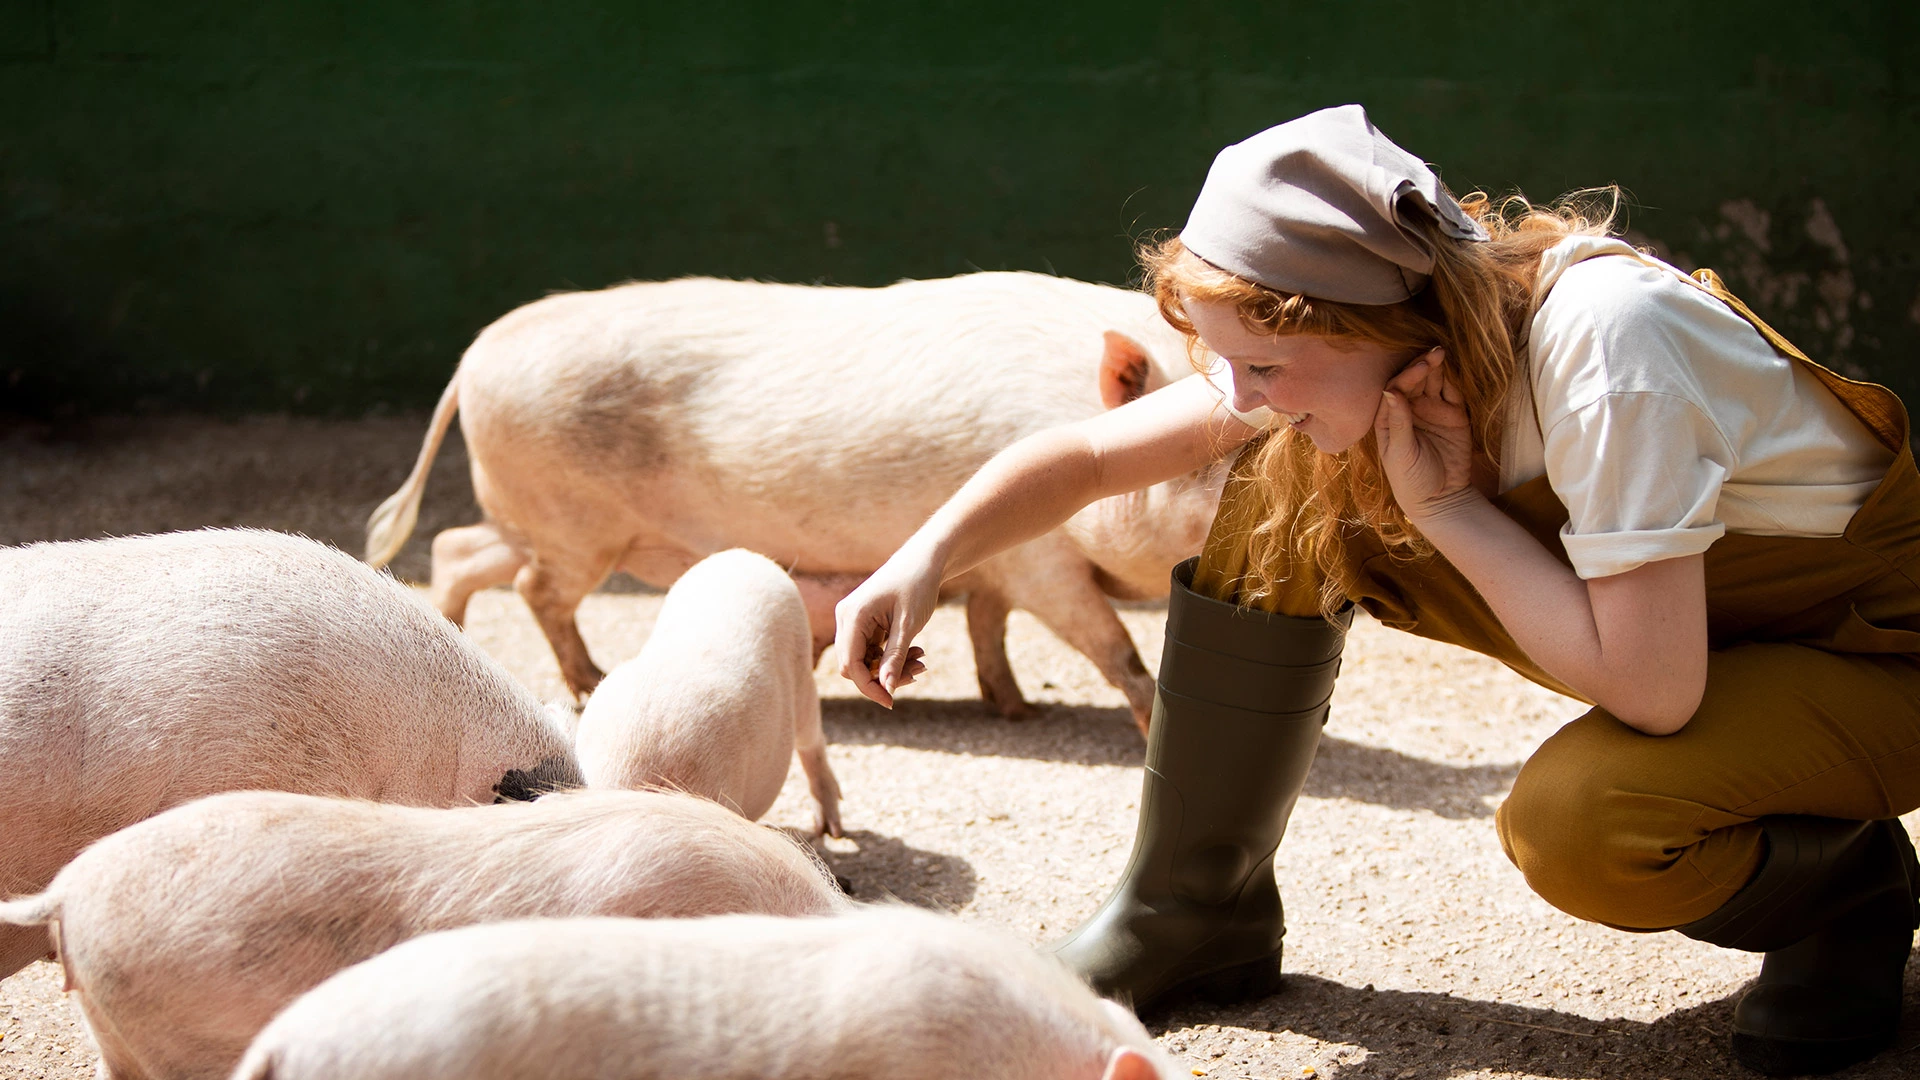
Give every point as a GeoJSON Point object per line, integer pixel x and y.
{"type": "Point", "coordinates": [1296, 419]}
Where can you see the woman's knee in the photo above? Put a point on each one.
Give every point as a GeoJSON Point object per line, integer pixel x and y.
{"type": "Point", "coordinates": [1593, 840]}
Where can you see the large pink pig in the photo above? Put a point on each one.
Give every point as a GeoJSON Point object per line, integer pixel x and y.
{"type": "Point", "coordinates": [139, 673]}
{"type": "Point", "coordinates": [878, 994]}
{"type": "Point", "coordinates": [644, 427]}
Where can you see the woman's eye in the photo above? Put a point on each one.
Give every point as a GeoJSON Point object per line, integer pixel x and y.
{"type": "Point", "coordinates": [1261, 371]}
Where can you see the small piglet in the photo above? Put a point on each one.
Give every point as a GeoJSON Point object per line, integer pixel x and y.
{"type": "Point", "coordinates": [137, 674]}
{"type": "Point", "coordinates": [720, 697]}
{"type": "Point", "coordinates": [884, 994]}
{"type": "Point", "coordinates": [183, 935]}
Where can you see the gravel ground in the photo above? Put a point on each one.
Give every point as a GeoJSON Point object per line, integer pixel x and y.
{"type": "Point", "coordinates": [1415, 951]}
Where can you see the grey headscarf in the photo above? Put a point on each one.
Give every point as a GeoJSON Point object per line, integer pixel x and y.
{"type": "Point", "coordinates": [1324, 205]}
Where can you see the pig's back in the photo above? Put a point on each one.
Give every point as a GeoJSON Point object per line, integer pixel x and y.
{"type": "Point", "coordinates": [287, 888]}
{"type": "Point", "coordinates": [875, 994]}
{"type": "Point", "coordinates": [138, 673]}
{"type": "Point", "coordinates": [710, 704]}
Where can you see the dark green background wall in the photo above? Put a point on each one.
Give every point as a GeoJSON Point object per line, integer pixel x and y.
{"type": "Point", "coordinates": [248, 204]}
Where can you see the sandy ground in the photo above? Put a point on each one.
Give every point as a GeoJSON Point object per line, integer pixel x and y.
{"type": "Point", "coordinates": [1414, 949]}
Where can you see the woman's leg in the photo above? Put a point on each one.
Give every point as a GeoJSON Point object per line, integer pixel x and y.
{"type": "Point", "coordinates": [1762, 825]}
{"type": "Point", "coordinates": [1237, 713]}
{"type": "Point", "coordinates": [1646, 832]}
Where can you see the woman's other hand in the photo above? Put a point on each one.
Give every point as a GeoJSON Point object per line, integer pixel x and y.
{"type": "Point", "coordinates": [875, 624]}
{"type": "Point", "coordinates": [1425, 439]}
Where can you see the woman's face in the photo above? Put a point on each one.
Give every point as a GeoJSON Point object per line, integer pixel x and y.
{"type": "Point", "coordinates": [1328, 391]}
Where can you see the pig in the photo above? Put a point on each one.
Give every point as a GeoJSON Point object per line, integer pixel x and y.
{"type": "Point", "coordinates": [183, 935]}
{"type": "Point", "coordinates": [720, 698]}
{"type": "Point", "coordinates": [140, 673]}
{"type": "Point", "coordinates": [647, 426]}
{"type": "Point", "coordinates": [889, 993]}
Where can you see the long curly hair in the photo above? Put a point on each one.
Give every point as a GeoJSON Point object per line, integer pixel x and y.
{"type": "Point", "coordinates": [1477, 306]}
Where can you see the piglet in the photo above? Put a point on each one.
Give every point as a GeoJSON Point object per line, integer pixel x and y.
{"type": "Point", "coordinates": [888, 993]}
{"type": "Point", "coordinates": [183, 935]}
{"type": "Point", "coordinates": [140, 673]}
{"type": "Point", "coordinates": [719, 698]}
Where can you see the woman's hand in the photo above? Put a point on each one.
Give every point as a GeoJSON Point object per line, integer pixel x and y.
{"type": "Point", "coordinates": [874, 625]}
{"type": "Point", "coordinates": [1425, 440]}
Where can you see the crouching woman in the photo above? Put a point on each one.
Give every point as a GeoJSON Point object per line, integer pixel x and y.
{"type": "Point", "coordinates": [1497, 426]}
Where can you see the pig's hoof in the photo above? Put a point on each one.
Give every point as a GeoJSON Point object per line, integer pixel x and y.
{"type": "Point", "coordinates": [1017, 713]}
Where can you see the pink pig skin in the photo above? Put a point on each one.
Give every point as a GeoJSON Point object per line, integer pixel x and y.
{"type": "Point", "coordinates": [647, 426]}
{"type": "Point", "coordinates": [139, 673]}
{"type": "Point", "coordinates": [880, 994]}
{"type": "Point", "coordinates": [183, 935]}
{"type": "Point", "coordinates": [720, 697]}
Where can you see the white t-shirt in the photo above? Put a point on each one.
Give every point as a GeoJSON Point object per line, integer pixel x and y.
{"type": "Point", "coordinates": [1663, 420]}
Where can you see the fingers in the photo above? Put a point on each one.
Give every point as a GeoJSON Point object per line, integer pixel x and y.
{"type": "Point", "coordinates": [865, 676]}
{"type": "Point", "coordinates": [894, 659]}
{"type": "Point", "coordinates": [874, 627]}
{"type": "Point", "coordinates": [898, 666]}
{"type": "Point", "coordinates": [1424, 376]}
{"type": "Point", "coordinates": [860, 638]}
{"type": "Point", "coordinates": [912, 669]}
{"type": "Point", "coordinates": [1392, 427]}
{"type": "Point", "coordinates": [884, 665]}
{"type": "Point", "coordinates": [1437, 381]}
{"type": "Point", "coordinates": [1440, 382]}
{"type": "Point", "coordinates": [1412, 378]}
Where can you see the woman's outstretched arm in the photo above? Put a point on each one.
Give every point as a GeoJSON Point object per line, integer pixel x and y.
{"type": "Point", "coordinates": [1026, 490]}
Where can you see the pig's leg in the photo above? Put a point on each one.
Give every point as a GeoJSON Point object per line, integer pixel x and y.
{"type": "Point", "coordinates": [22, 945]}
{"type": "Point", "coordinates": [820, 592]}
{"type": "Point", "coordinates": [469, 559]}
{"type": "Point", "coordinates": [1073, 607]}
{"type": "Point", "coordinates": [38, 843]}
{"type": "Point", "coordinates": [554, 593]}
{"type": "Point", "coordinates": [987, 611]}
{"type": "Point", "coordinates": [810, 742]}
{"type": "Point", "coordinates": [116, 1061]}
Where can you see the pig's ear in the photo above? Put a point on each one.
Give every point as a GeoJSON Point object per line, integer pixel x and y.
{"type": "Point", "coordinates": [1123, 370]}
{"type": "Point", "coordinates": [1126, 1063]}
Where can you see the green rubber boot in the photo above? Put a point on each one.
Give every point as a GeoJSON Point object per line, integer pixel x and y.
{"type": "Point", "coordinates": [1242, 698]}
{"type": "Point", "coordinates": [1834, 908]}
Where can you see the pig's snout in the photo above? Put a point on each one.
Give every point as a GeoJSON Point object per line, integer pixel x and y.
{"type": "Point", "coordinates": [526, 785]}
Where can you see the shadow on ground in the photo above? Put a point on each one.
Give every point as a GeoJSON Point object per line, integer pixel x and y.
{"type": "Point", "coordinates": [1372, 774]}
{"type": "Point", "coordinates": [1427, 1036]}
{"type": "Point", "coordinates": [1084, 735]}
{"type": "Point", "coordinates": [1081, 735]}
{"type": "Point", "coordinates": [884, 867]}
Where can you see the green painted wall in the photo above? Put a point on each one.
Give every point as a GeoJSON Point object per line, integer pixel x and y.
{"type": "Point", "coordinates": [313, 205]}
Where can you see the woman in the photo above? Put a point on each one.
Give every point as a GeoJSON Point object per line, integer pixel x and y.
{"type": "Point", "coordinates": [1499, 427]}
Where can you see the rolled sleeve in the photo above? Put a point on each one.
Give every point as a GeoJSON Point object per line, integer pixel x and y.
{"type": "Point", "coordinates": [1606, 554]}
{"type": "Point", "coordinates": [1640, 475]}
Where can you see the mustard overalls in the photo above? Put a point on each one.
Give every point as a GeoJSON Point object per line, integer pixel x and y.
{"type": "Point", "coordinates": [1812, 702]}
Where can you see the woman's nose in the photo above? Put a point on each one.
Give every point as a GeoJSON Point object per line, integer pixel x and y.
{"type": "Point", "coordinates": [1246, 399]}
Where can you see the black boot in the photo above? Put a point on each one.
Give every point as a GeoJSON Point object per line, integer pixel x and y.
{"type": "Point", "coordinates": [1241, 700]}
{"type": "Point", "coordinates": [1833, 906]}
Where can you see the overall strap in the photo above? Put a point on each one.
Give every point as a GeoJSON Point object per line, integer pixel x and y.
{"type": "Point", "coordinates": [1875, 405]}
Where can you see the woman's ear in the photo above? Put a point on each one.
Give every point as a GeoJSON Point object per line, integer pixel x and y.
{"type": "Point", "coordinates": [1123, 370]}
{"type": "Point", "coordinates": [1126, 1063]}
